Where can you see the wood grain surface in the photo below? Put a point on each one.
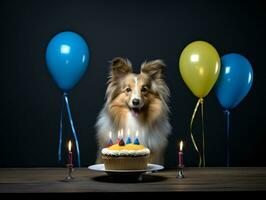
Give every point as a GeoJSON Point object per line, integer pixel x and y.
{"type": "Point", "coordinates": [46, 180]}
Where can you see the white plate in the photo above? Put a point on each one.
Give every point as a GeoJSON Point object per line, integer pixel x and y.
{"type": "Point", "coordinates": [150, 168]}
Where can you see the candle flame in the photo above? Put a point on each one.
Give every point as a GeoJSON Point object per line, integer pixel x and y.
{"type": "Point", "coordinates": [122, 133]}
{"type": "Point", "coordinates": [137, 133]}
{"type": "Point", "coordinates": [69, 145]}
{"type": "Point", "coordinates": [181, 146]}
{"type": "Point", "coordinates": [110, 134]}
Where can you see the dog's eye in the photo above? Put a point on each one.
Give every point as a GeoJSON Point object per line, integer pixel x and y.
{"type": "Point", "coordinates": [128, 90]}
{"type": "Point", "coordinates": [144, 89]}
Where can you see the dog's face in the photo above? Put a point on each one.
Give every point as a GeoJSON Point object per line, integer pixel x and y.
{"type": "Point", "coordinates": [136, 92]}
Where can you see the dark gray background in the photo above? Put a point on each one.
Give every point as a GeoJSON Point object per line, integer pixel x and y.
{"type": "Point", "coordinates": [138, 30]}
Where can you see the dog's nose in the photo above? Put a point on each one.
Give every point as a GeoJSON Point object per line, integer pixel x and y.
{"type": "Point", "coordinates": [135, 102]}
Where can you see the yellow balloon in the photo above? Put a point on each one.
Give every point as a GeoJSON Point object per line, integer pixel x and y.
{"type": "Point", "coordinates": [199, 66]}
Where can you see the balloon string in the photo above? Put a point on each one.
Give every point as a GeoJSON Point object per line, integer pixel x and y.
{"type": "Point", "coordinates": [72, 127]}
{"type": "Point", "coordinates": [61, 129]}
{"type": "Point", "coordinates": [202, 130]}
{"type": "Point", "coordinates": [227, 113]}
{"type": "Point", "coordinates": [191, 134]}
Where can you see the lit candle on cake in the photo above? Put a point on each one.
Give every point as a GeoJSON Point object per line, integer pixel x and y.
{"type": "Point", "coordinates": [110, 142]}
{"type": "Point", "coordinates": [70, 153]}
{"type": "Point", "coordinates": [180, 155]}
{"type": "Point", "coordinates": [128, 137]}
{"type": "Point", "coordinates": [136, 141]}
{"type": "Point", "coordinates": [122, 134]}
{"type": "Point", "coordinates": [118, 137]}
{"type": "Point", "coordinates": [121, 142]}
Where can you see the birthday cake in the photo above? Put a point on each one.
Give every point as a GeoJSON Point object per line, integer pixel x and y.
{"type": "Point", "coordinates": [125, 157]}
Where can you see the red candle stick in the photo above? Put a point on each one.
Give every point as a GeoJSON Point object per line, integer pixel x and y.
{"type": "Point", "coordinates": [180, 155]}
{"type": "Point", "coordinates": [120, 136]}
{"type": "Point", "coordinates": [70, 158]}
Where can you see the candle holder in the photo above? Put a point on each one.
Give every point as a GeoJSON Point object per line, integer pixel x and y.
{"type": "Point", "coordinates": [180, 171]}
{"type": "Point", "coordinates": [70, 169]}
{"type": "Point", "coordinates": [180, 161]}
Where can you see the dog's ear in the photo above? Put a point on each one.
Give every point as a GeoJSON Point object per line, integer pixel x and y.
{"type": "Point", "coordinates": [120, 67]}
{"type": "Point", "coordinates": [154, 69]}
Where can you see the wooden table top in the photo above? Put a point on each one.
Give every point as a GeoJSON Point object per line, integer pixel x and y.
{"type": "Point", "coordinates": [24, 180]}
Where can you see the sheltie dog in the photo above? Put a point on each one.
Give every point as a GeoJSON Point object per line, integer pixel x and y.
{"type": "Point", "coordinates": [136, 102]}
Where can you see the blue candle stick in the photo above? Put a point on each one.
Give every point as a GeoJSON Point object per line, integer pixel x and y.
{"type": "Point", "coordinates": [128, 140]}
{"type": "Point", "coordinates": [136, 141]}
{"type": "Point", "coordinates": [128, 137]}
{"type": "Point", "coordinates": [110, 142]}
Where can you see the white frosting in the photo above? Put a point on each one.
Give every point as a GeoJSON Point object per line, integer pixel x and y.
{"type": "Point", "coordinates": [124, 152]}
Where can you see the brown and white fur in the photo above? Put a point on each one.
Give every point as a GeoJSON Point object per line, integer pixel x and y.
{"type": "Point", "coordinates": [136, 102]}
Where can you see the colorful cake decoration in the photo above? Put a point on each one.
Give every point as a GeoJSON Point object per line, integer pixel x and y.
{"type": "Point", "coordinates": [128, 137]}
{"type": "Point", "coordinates": [120, 138]}
{"type": "Point", "coordinates": [121, 141]}
{"type": "Point", "coordinates": [136, 141]}
{"type": "Point", "coordinates": [110, 142]}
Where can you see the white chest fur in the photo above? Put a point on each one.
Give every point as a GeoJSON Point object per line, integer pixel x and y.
{"type": "Point", "coordinates": [152, 137]}
{"type": "Point", "coordinates": [132, 124]}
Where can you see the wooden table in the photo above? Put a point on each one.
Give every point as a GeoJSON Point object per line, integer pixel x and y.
{"type": "Point", "coordinates": [46, 180]}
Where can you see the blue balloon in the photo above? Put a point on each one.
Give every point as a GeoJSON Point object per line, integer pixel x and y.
{"type": "Point", "coordinates": [235, 80]}
{"type": "Point", "coordinates": [67, 58]}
